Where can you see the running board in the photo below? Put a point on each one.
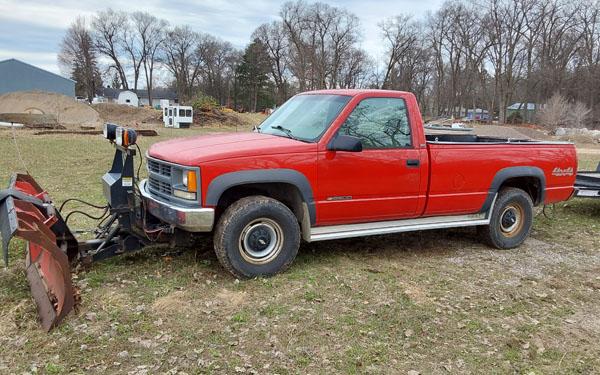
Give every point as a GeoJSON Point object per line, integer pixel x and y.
{"type": "Point", "coordinates": [334, 232]}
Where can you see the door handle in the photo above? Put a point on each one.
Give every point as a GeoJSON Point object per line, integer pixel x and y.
{"type": "Point", "coordinates": [412, 162]}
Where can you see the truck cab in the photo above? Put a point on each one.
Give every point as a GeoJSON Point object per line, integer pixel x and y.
{"type": "Point", "coordinates": [345, 163]}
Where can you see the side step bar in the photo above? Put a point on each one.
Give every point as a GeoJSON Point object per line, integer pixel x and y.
{"type": "Point", "coordinates": [334, 232]}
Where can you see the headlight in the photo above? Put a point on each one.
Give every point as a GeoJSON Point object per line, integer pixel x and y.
{"type": "Point", "coordinates": [190, 182]}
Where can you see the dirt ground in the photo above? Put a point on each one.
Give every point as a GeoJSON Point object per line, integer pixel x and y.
{"type": "Point", "coordinates": [431, 302]}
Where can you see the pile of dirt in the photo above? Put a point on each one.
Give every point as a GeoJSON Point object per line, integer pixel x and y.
{"type": "Point", "coordinates": [217, 117]}
{"type": "Point", "coordinates": [67, 111]}
{"type": "Point", "coordinates": [127, 115]}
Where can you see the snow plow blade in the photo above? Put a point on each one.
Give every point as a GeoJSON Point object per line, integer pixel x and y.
{"type": "Point", "coordinates": [27, 212]}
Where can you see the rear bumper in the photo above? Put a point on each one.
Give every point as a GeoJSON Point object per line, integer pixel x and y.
{"type": "Point", "coordinates": [188, 219]}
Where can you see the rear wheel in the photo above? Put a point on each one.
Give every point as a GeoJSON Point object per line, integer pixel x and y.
{"type": "Point", "coordinates": [257, 236]}
{"type": "Point", "coordinates": [511, 219]}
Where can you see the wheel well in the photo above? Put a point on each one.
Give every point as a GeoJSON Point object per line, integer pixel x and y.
{"type": "Point", "coordinates": [285, 193]}
{"type": "Point", "coordinates": [529, 184]}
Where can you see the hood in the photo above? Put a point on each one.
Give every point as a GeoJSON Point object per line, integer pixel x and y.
{"type": "Point", "coordinates": [194, 150]}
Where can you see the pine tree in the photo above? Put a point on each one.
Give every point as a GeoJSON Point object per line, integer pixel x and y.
{"type": "Point", "coordinates": [251, 76]}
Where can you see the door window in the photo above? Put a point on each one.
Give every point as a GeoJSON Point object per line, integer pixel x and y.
{"type": "Point", "coordinates": [379, 123]}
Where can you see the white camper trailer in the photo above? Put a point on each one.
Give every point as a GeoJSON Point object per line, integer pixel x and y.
{"type": "Point", "coordinates": [178, 116]}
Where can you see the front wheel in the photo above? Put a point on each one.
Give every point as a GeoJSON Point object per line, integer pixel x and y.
{"type": "Point", "coordinates": [257, 236]}
{"type": "Point", "coordinates": [511, 219]}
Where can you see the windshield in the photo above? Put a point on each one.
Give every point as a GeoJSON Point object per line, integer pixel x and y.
{"type": "Point", "coordinates": [304, 117]}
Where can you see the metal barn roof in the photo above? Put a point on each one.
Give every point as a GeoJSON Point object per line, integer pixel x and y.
{"type": "Point", "coordinates": [16, 75]}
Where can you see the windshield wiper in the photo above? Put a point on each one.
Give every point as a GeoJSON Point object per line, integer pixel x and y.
{"type": "Point", "coordinates": [287, 132]}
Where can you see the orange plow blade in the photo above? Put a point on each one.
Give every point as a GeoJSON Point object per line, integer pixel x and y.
{"type": "Point", "coordinates": [27, 212]}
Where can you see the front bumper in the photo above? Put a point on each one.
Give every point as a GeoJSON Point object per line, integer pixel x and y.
{"type": "Point", "coordinates": [188, 219]}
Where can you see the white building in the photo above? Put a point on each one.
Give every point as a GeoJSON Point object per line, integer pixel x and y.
{"type": "Point", "coordinates": [128, 98]}
{"type": "Point", "coordinates": [159, 96]}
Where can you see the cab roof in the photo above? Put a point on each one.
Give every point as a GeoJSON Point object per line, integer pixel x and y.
{"type": "Point", "coordinates": [352, 92]}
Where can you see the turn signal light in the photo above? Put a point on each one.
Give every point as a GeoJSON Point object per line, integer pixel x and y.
{"type": "Point", "coordinates": [191, 181]}
{"type": "Point", "coordinates": [125, 137]}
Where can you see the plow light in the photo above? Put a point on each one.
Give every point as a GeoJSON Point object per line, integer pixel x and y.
{"type": "Point", "coordinates": [125, 137]}
{"type": "Point", "coordinates": [110, 131]}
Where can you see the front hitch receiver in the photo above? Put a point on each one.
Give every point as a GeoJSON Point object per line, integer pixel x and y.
{"type": "Point", "coordinates": [27, 212]}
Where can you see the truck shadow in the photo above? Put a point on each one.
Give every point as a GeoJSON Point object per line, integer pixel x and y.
{"type": "Point", "coordinates": [423, 243]}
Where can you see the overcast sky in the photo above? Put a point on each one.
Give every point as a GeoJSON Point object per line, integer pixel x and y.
{"type": "Point", "coordinates": [31, 30]}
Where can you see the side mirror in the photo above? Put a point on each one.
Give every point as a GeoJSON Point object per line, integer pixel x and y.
{"type": "Point", "coordinates": [345, 143]}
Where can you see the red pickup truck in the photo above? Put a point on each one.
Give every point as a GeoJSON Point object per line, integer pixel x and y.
{"type": "Point", "coordinates": [326, 165]}
{"type": "Point", "coordinates": [346, 163]}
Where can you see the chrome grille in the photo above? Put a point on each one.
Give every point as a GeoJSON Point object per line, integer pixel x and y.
{"type": "Point", "coordinates": [159, 168]}
{"type": "Point", "coordinates": [164, 177]}
{"type": "Point", "coordinates": [159, 179]}
{"type": "Point", "coordinates": [160, 187]}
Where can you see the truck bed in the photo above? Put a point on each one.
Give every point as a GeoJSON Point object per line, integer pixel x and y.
{"type": "Point", "coordinates": [463, 167]}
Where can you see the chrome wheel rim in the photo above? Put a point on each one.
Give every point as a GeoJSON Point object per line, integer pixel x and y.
{"type": "Point", "coordinates": [261, 241]}
{"type": "Point", "coordinates": [511, 220]}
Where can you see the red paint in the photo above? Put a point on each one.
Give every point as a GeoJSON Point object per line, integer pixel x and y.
{"type": "Point", "coordinates": [451, 178]}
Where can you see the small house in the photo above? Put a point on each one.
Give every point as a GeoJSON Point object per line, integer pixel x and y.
{"type": "Point", "coordinates": [525, 110]}
{"type": "Point", "coordinates": [477, 114]}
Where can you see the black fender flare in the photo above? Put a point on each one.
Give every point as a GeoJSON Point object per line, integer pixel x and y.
{"type": "Point", "coordinates": [260, 176]}
{"type": "Point", "coordinates": [511, 172]}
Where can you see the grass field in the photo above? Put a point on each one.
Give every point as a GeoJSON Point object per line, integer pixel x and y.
{"type": "Point", "coordinates": [429, 302]}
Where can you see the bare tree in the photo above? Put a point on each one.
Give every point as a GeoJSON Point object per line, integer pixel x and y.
{"type": "Point", "coordinates": [217, 63]}
{"type": "Point", "coordinates": [401, 35]}
{"type": "Point", "coordinates": [182, 60]}
{"type": "Point", "coordinates": [132, 45]}
{"type": "Point", "coordinates": [555, 112]}
{"type": "Point", "coordinates": [273, 37]}
{"type": "Point", "coordinates": [77, 57]}
{"type": "Point", "coordinates": [107, 30]}
{"type": "Point", "coordinates": [578, 115]}
{"type": "Point", "coordinates": [506, 22]}
{"type": "Point", "coordinates": [151, 35]}
{"type": "Point", "coordinates": [294, 21]}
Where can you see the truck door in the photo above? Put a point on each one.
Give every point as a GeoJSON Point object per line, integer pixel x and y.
{"type": "Point", "coordinates": [382, 182]}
